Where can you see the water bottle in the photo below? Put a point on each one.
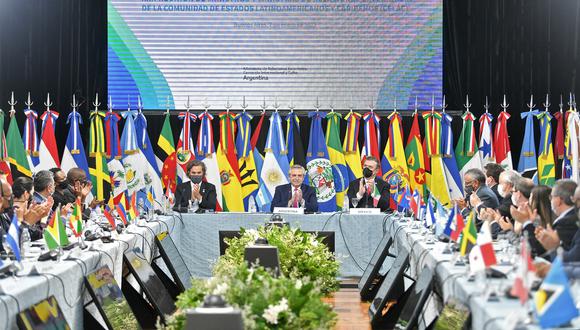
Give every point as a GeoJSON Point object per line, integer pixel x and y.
{"type": "Point", "coordinates": [252, 205]}
{"type": "Point", "coordinates": [25, 242]}
{"type": "Point", "coordinates": [345, 205]}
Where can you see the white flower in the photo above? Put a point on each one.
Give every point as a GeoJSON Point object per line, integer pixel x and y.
{"type": "Point", "coordinates": [313, 241]}
{"type": "Point", "coordinates": [221, 289]}
{"type": "Point", "coordinates": [254, 234]}
{"type": "Point", "coordinates": [309, 252]}
{"type": "Point", "coordinates": [298, 284]}
{"type": "Point", "coordinates": [271, 313]}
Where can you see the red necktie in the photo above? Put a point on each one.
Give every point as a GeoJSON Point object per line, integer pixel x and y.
{"type": "Point", "coordinates": [295, 197]}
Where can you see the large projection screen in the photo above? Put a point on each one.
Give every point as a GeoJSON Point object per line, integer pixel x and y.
{"type": "Point", "coordinates": [343, 53]}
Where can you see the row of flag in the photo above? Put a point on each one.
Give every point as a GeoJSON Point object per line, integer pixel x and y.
{"type": "Point", "coordinates": [431, 163]}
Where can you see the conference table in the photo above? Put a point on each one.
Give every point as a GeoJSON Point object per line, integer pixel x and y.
{"type": "Point", "coordinates": [197, 238]}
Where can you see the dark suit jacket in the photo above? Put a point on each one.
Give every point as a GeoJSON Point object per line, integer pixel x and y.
{"type": "Point", "coordinates": [283, 194]}
{"type": "Point", "coordinates": [573, 254]}
{"type": "Point", "coordinates": [207, 191]}
{"type": "Point", "coordinates": [535, 245]}
{"type": "Point", "coordinates": [566, 227]}
{"type": "Point", "coordinates": [366, 200]}
{"type": "Point", "coordinates": [488, 200]}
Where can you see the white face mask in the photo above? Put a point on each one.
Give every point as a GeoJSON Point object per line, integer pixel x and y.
{"type": "Point", "coordinates": [501, 190]}
{"type": "Point", "coordinates": [514, 200]}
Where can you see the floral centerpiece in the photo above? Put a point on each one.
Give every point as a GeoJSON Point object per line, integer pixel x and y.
{"type": "Point", "coordinates": [301, 255]}
{"type": "Point", "coordinates": [266, 301]}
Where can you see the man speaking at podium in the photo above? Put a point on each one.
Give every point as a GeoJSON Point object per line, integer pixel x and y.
{"type": "Point", "coordinates": [295, 193]}
{"type": "Point", "coordinates": [369, 191]}
{"type": "Point", "coordinates": [202, 194]}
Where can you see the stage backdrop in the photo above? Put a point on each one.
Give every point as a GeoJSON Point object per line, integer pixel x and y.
{"type": "Point", "coordinates": [346, 53]}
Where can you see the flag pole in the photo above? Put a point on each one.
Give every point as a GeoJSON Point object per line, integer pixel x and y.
{"type": "Point", "coordinates": [244, 104]}
{"type": "Point", "coordinates": [531, 105]}
{"type": "Point", "coordinates": [504, 105]}
{"type": "Point", "coordinates": [264, 106]}
{"type": "Point", "coordinates": [547, 103]}
{"type": "Point", "coordinates": [12, 103]}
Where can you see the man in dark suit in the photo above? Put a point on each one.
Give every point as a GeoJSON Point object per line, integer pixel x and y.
{"type": "Point", "coordinates": [492, 173]}
{"type": "Point", "coordinates": [565, 225]}
{"type": "Point", "coordinates": [363, 189]}
{"type": "Point", "coordinates": [295, 193]}
{"type": "Point", "coordinates": [477, 195]}
{"type": "Point", "coordinates": [202, 194]}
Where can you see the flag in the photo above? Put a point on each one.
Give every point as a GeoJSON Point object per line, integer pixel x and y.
{"type": "Point", "coordinates": [336, 157]}
{"type": "Point", "coordinates": [109, 217]}
{"type": "Point", "coordinates": [113, 149]}
{"type": "Point", "coordinates": [404, 199]}
{"type": "Point", "coordinates": [74, 150]}
{"type": "Point", "coordinates": [13, 237]}
{"type": "Point", "coordinates": [350, 146]}
{"type": "Point", "coordinates": [454, 181]}
{"type": "Point", "coordinates": [415, 202]}
{"type": "Point", "coordinates": [275, 167]}
{"type": "Point", "coordinates": [459, 225]}
{"type": "Point", "coordinates": [76, 219]}
{"type": "Point", "coordinates": [121, 209]}
{"type": "Point", "coordinates": [152, 173]}
{"type": "Point", "coordinates": [206, 153]}
{"type": "Point", "coordinates": [466, 151]}
{"type": "Point", "coordinates": [114, 154]}
{"type": "Point", "coordinates": [394, 163]}
{"type": "Point", "coordinates": [437, 179]}
{"type": "Point", "coordinates": [48, 150]}
{"type": "Point", "coordinates": [229, 169]}
{"type": "Point", "coordinates": [98, 169]}
{"type": "Point", "coordinates": [263, 197]}
{"type": "Point", "coordinates": [318, 166]}
{"type": "Point", "coordinates": [522, 282]}
{"type": "Point", "coordinates": [4, 161]}
{"type": "Point", "coordinates": [294, 144]}
{"type": "Point", "coordinates": [372, 137]}
{"type": "Point", "coordinates": [469, 236]}
{"type": "Point", "coordinates": [430, 219]}
{"type": "Point", "coordinates": [486, 151]}
{"type": "Point", "coordinates": [450, 224]}
{"type": "Point", "coordinates": [570, 162]}
{"type": "Point", "coordinates": [246, 163]}
{"type": "Point", "coordinates": [133, 210]}
{"type": "Point", "coordinates": [134, 162]}
{"type": "Point", "coordinates": [503, 154]}
{"type": "Point", "coordinates": [55, 232]}
{"type": "Point", "coordinates": [554, 303]}
{"type": "Point", "coordinates": [166, 143]}
{"type": "Point", "coordinates": [415, 160]}
{"type": "Point", "coordinates": [560, 128]}
{"type": "Point", "coordinates": [546, 165]}
{"type": "Point", "coordinates": [482, 255]}
{"type": "Point", "coordinates": [184, 148]}
{"type": "Point", "coordinates": [30, 136]}
{"type": "Point", "coordinates": [15, 149]}
{"type": "Point", "coordinates": [527, 162]}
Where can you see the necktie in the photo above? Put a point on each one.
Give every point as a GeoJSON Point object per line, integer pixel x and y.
{"type": "Point", "coordinates": [295, 197]}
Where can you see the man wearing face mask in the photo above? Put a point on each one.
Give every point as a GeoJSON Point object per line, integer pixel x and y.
{"type": "Point", "coordinates": [296, 193]}
{"type": "Point", "coordinates": [477, 195]}
{"type": "Point", "coordinates": [565, 225]}
{"type": "Point", "coordinates": [43, 186]}
{"type": "Point", "coordinates": [492, 173]}
{"type": "Point", "coordinates": [501, 218]}
{"type": "Point", "coordinates": [370, 191]}
{"type": "Point", "coordinates": [201, 193]}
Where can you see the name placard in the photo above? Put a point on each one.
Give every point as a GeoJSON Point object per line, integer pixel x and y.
{"type": "Point", "coordinates": [289, 210]}
{"type": "Point", "coordinates": [364, 211]}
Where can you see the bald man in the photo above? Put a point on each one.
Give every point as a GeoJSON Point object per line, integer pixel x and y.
{"type": "Point", "coordinates": [5, 207]}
